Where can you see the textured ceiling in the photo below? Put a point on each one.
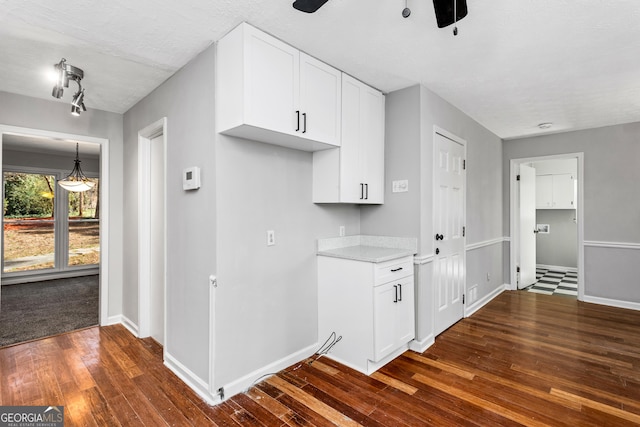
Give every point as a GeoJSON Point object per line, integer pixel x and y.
{"type": "Point", "coordinates": [514, 64]}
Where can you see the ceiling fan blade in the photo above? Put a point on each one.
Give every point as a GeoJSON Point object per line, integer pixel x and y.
{"type": "Point", "coordinates": [308, 6]}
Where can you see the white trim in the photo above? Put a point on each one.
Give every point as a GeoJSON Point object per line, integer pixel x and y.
{"type": "Point", "coordinates": [196, 383]}
{"type": "Point", "coordinates": [612, 302]}
{"type": "Point", "coordinates": [514, 216]}
{"type": "Point", "coordinates": [104, 201]}
{"type": "Point", "coordinates": [613, 245]}
{"type": "Point", "coordinates": [212, 335]}
{"type": "Point", "coordinates": [420, 346]}
{"type": "Point", "coordinates": [159, 128]}
{"type": "Point", "coordinates": [422, 259]}
{"type": "Point", "coordinates": [123, 320]}
{"type": "Point", "coordinates": [42, 277]}
{"type": "Point", "coordinates": [244, 383]}
{"type": "Point", "coordinates": [557, 267]}
{"type": "Point", "coordinates": [468, 311]}
{"type": "Point", "coordinates": [485, 243]}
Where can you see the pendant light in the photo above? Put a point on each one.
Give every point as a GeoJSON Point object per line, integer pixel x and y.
{"type": "Point", "coordinates": [76, 181]}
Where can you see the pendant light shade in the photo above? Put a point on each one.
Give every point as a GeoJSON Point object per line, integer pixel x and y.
{"type": "Point", "coordinates": [76, 181]}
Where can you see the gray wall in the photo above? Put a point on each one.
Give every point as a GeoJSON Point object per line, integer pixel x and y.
{"type": "Point", "coordinates": [22, 111]}
{"type": "Point", "coordinates": [611, 199]}
{"type": "Point", "coordinates": [560, 246]}
{"type": "Point", "coordinates": [187, 100]}
{"type": "Point", "coordinates": [266, 302]}
{"type": "Point", "coordinates": [411, 114]}
{"type": "Point", "coordinates": [90, 166]}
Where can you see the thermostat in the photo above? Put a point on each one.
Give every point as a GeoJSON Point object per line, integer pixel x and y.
{"type": "Point", "coordinates": [191, 178]}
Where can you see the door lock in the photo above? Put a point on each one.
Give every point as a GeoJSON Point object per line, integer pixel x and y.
{"type": "Point", "coordinates": [439, 237]}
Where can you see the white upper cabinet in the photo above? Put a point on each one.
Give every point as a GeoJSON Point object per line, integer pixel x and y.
{"type": "Point", "coordinates": [266, 90]}
{"type": "Point", "coordinates": [556, 191]}
{"type": "Point", "coordinates": [355, 172]}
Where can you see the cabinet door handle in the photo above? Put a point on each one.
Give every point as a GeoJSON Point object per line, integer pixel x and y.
{"type": "Point", "coordinates": [393, 270]}
{"type": "Point", "coordinates": [400, 288]}
{"type": "Point", "coordinates": [366, 186]}
{"type": "Point", "coordinates": [396, 295]}
{"type": "Point", "coordinates": [361, 191]}
{"type": "Point", "coordinates": [298, 118]}
{"type": "Point", "coordinates": [304, 120]}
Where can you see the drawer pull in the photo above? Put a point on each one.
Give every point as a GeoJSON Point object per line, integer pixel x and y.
{"type": "Point", "coordinates": [393, 270]}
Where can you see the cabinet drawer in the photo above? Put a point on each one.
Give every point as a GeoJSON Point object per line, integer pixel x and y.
{"type": "Point", "coordinates": [393, 270]}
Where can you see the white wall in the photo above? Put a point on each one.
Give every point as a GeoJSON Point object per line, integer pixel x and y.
{"type": "Point", "coordinates": [34, 113]}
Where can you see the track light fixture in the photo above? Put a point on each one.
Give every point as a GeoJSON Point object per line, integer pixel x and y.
{"type": "Point", "coordinates": [64, 73]}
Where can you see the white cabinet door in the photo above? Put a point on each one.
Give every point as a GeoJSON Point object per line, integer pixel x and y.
{"type": "Point", "coordinates": [394, 321]}
{"type": "Point", "coordinates": [385, 304]}
{"type": "Point", "coordinates": [544, 191]}
{"type": "Point", "coordinates": [405, 312]}
{"type": "Point", "coordinates": [272, 82]}
{"type": "Point", "coordinates": [372, 145]}
{"type": "Point", "coordinates": [351, 186]}
{"type": "Point", "coordinates": [320, 100]}
{"type": "Point", "coordinates": [563, 191]}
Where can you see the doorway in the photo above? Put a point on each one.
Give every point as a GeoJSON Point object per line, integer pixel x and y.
{"type": "Point", "coordinates": [449, 184]}
{"type": "Point", "coordinates": [547, 250]}
{"type": "Point", "coordinates": [39, 136]}
{"type": "Point", "coordinates": [152, 231]}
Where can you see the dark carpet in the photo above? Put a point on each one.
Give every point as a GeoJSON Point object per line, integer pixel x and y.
{"type": "Point", "coordinates": [36, 310]}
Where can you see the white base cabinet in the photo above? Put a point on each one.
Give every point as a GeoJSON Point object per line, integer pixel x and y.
{"type": "Point", "coordinates": [370, 305]}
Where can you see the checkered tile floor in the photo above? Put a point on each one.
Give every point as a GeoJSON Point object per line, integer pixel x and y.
{"type": "Point", "coordinates": [551, 282]}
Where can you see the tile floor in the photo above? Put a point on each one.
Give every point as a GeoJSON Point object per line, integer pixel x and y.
{"type": "Point", "coordinates": [553, 282]}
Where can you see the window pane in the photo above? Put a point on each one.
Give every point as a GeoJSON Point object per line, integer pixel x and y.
{"type": "Point", "coordinates": [29, 242]}
{"type": "Point", "coordinates": [84, 226]}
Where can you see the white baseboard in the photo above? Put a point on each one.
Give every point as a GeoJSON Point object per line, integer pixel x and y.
{"type": "Point", "coordinates": [244, 383]}
{"type": "Point", "coordinates": [612, 302]}
{"type": "Point", "coordinates": [131, 326]}
{"type": "Point", "coordinates": [420, 346]}
{"type": "Point", "coordinates": [196, 383]}
{"type": "Point", "coordinates": [557, 267]}
{"type": "Point", "coordinates": [468, 311]}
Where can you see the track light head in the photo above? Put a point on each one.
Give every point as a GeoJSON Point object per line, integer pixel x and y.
{"type": "Point", "coordinates": [64, 73]}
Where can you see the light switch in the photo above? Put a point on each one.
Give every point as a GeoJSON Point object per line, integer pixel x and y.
{"type": "Point", "coordinates": [400, 186]}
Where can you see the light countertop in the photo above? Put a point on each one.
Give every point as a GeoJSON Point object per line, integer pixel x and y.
{"type": "Point", "coordinates": [367, 248]}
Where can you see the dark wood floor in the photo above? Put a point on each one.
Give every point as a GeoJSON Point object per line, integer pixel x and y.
{"type": "Point", "coordinates": [524, 359]}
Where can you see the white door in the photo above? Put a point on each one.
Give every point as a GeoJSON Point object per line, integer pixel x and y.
{"type": "Point", "coordinates": [320, 100]}
{"type": "Point", "coordinates": [449, 246]}
{"type": "Point", "coordinates": [157, 225]}
{"type": "Point", "coordinates": [527, 226]}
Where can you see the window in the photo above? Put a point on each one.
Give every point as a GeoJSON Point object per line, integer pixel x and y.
{"type": "Point", "coordinates": [47, 228]}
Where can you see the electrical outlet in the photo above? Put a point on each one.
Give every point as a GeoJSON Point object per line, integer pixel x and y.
{"type": "Point", "coordinates": [400, 186]}
{"type": "Point", "coordinates": [488, 277]}
{"type": "Point", "coordinates": [342, 231]}
{"type": "Point", "coordinates": [271, 237]}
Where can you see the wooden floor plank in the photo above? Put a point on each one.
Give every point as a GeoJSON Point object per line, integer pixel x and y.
{"type": "Point", "coordinates": [523, 359]}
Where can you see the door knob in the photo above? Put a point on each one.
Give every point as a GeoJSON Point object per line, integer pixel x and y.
{"type": "Point", "coordinates": [437, 251]}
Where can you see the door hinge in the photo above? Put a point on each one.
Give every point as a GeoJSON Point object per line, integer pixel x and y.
{"type": "Point", "coordinates": [463, 299]}
{"type": "Point", "coordinates": [518, 178]}
{"type": "Point", "coordinates": [518, 269]}
{"type": "Point", "coordinates": [464, 165]}
{"type": "Point", "coordinates": [464, 231]}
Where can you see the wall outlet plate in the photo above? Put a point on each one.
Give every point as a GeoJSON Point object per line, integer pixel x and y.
{"type": "Point", "coordinates": [271, 237]}
{"type": "Point", "coordinates": [401, 186]}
